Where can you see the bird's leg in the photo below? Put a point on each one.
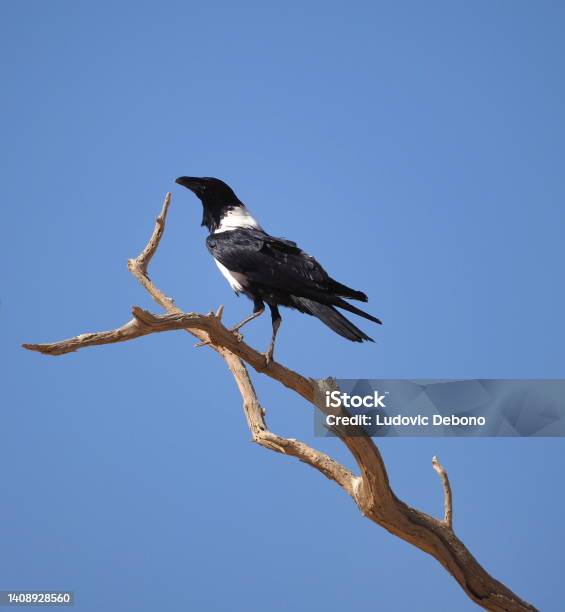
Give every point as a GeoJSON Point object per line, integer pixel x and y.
{"type": "Point", "coordinates": [258, 309]}
{"type": "Point", "coordinates": [276, 320]}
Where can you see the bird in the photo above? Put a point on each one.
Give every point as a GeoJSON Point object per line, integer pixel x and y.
{"type": "Point", "coordinates": [270, 270]}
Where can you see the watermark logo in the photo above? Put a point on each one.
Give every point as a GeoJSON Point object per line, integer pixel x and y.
{"type": "Point", "coordinates": [464, 408]}
{"type": "Point", "coordinates": [337, 399]}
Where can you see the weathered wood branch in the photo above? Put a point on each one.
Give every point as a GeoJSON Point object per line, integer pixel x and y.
{"type": "Point", "coordinates": [447, 497]}
{"type": "Point", "coordinates": [370, 490]}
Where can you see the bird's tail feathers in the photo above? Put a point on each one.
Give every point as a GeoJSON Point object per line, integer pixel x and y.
{"type": "Point", "coordinates": [350, 308]}
{"type": "Point", "coordinates": [332, 318]}
{"type": "Point", "coordinates": [347, 292]}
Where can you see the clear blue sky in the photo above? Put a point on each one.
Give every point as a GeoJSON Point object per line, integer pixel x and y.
{"type": "Point", "coordinates": [416, 148]}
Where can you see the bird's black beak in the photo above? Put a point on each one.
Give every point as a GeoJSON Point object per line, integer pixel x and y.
{"type": "Point", "coordinates": [190, 182]}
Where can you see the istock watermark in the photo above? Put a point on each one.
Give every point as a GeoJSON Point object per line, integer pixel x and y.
{"type": "Point", "coordinates": [335, 399]}
{"type": "Point", "coordinates": [464, 408]}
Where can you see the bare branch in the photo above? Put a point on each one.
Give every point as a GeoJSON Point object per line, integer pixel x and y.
{"type": "Point", "coordinates": [142, 324]}
{"type": "Point", "coordinates": [255, 416]}
{"type": "Point", "coordinates": [138, 266]}
{"type": "Point", "coordinates": [144, 258]}
{"type": "Point", "coordinates": [130, 330]}
{"type": "Point", "coordinates": [371, 490]}
{"type": "Point", "coordinates": [448, 502]}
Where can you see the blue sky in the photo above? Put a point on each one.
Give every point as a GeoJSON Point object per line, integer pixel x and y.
{"type": "Point", "coordinates": [416, 149]}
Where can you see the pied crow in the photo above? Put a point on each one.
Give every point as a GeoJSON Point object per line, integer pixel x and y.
{"type": "Point", "coordinates": [270, 270]}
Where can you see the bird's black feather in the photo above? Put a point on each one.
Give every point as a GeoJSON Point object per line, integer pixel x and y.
{"type": "Point", "coordinates": [332, 318]}
{"type": "Point", "coordinates": [277, 270]}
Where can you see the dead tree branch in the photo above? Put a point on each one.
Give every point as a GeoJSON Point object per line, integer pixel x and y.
{"type": "Point", "coordinates": [370, 490]}
{"type": "Point", "coordinates": [447, 499]}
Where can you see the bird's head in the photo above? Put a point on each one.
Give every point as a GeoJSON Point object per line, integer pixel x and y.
{"type": "Point", "coordinates": [208, 189]}
{"type": "Point", "coordinates": [217, 198]}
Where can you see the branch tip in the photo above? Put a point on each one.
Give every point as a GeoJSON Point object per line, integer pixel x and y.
{"type": "Point", "coordinates": [447, 495]}
{"type": "Point", "coordinates": [143, 259]}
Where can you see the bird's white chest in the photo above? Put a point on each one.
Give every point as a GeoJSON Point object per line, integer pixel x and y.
{"type": "Point", "coordinates": [237, 218]}
{"type": "Point", "coordinates": [236, 281]}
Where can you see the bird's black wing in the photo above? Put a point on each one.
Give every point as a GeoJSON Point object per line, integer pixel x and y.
{"type": "Point", "coordinates": [277, 264]}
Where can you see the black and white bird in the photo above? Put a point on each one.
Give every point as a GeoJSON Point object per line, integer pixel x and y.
{"type": "Point", "coordinates": [270, 270]}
